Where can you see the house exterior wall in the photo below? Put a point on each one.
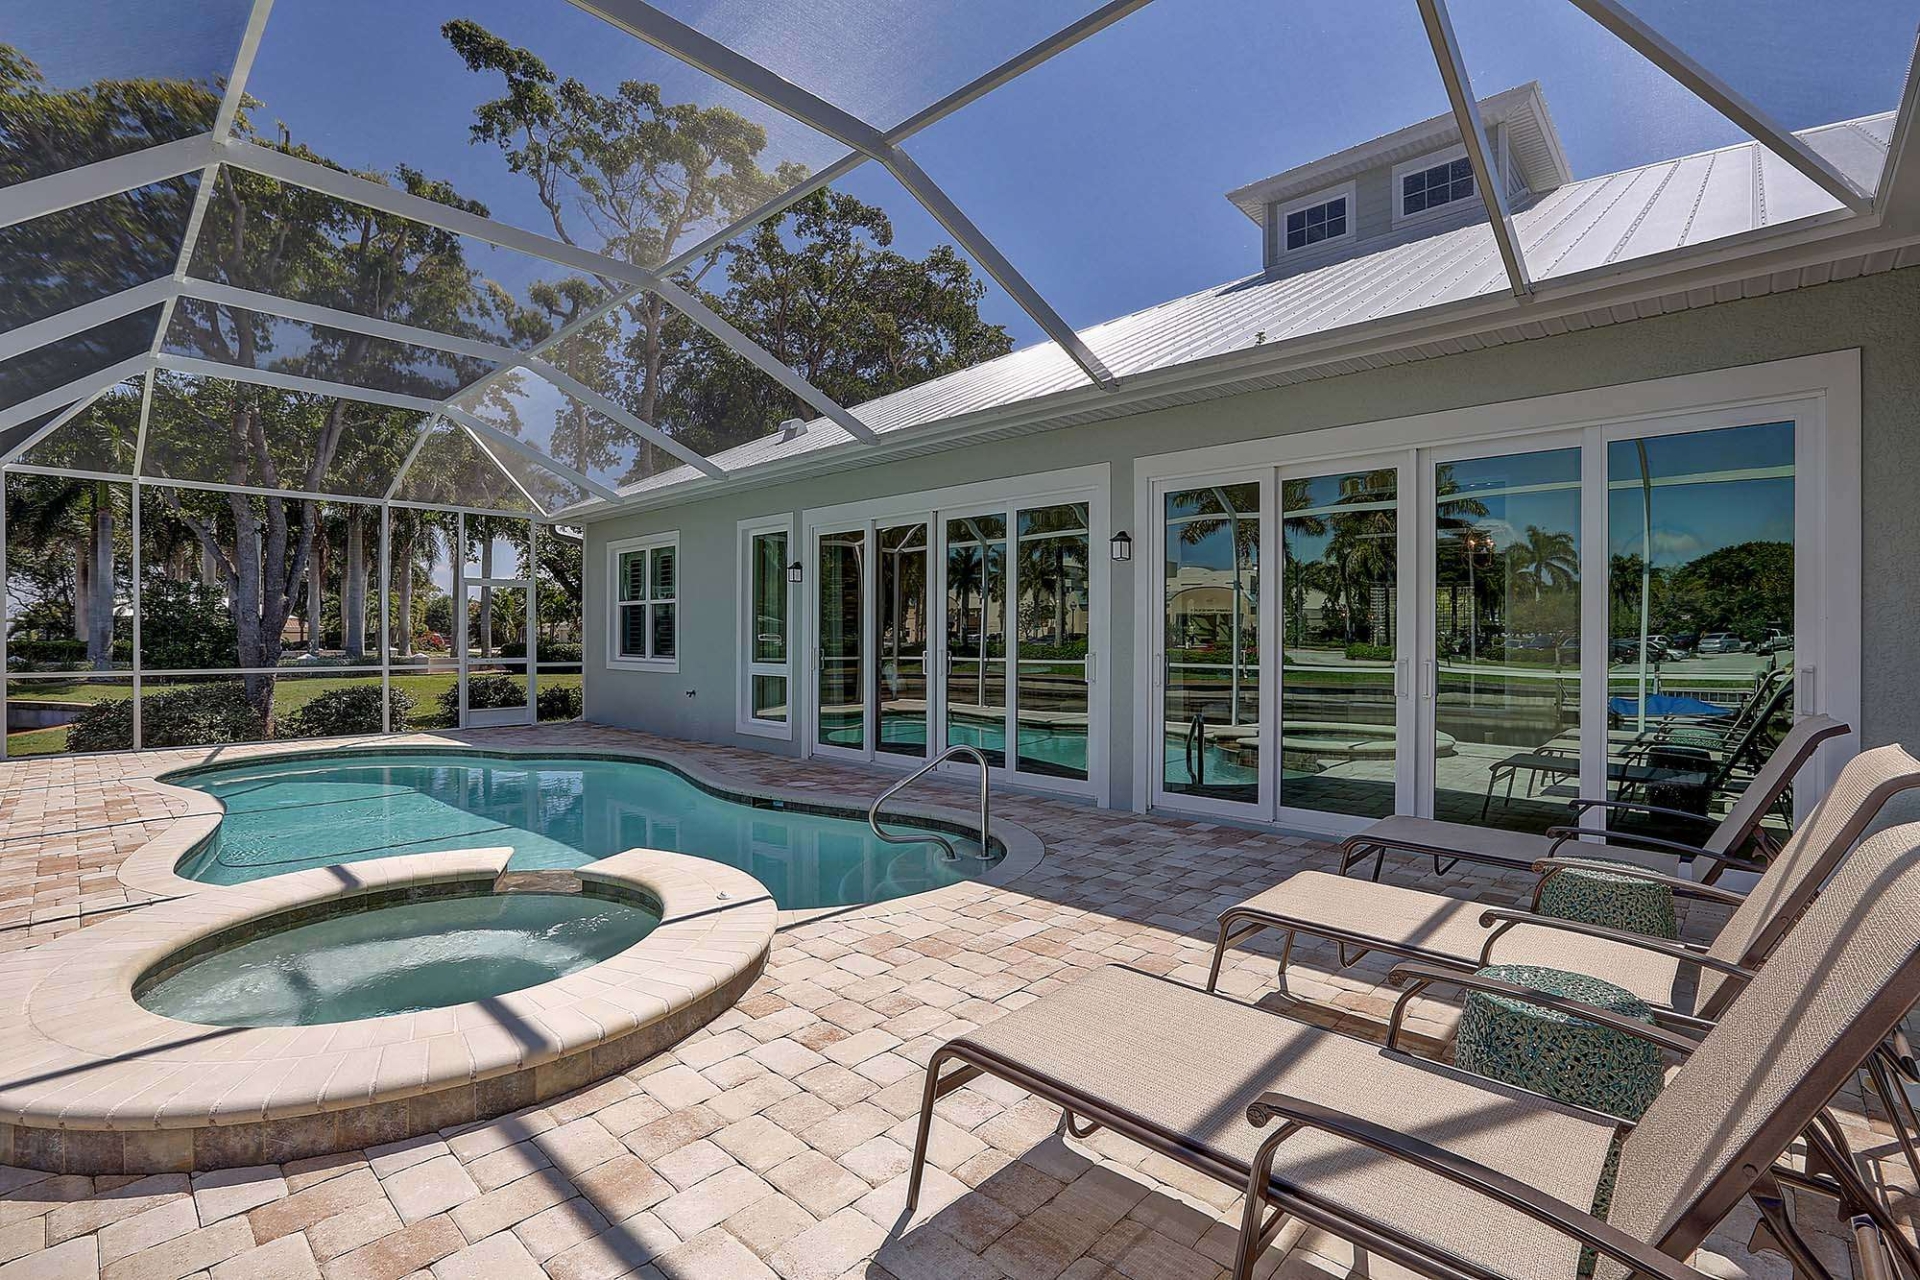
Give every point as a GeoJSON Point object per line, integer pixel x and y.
{"type": "Point", "coordinates": [1879, 315]}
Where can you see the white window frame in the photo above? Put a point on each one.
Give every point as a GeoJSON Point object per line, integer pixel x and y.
{"type": "Point", "coordinates": [1820, 393]}
{"type": "Point", "coordinates": [1343, 191]}
{"type": "Point", "coordinates": [1446, 155]}
{"type": "Point", "coordinates": [747, 627]}
{"type": "Point", "coordinates": [616, 605]}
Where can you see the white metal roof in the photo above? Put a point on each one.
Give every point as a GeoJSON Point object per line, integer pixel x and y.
{"type": "Point", "coordinates": [1582, 226]}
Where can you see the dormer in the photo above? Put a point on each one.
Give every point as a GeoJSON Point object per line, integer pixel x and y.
{"type": "Point", "coordinates": [1409, 184]}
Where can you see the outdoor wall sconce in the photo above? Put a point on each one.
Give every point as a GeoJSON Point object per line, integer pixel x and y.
{"type": "Point", "coordinates": [793, 573]}
{"type": "Point", "coordinates": [1122, 547]}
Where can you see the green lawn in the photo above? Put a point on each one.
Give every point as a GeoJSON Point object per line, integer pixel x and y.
{"type": "Point", "coordinates": [290, 692]}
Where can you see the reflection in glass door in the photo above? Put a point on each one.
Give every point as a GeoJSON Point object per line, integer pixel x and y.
{"type": "Point", "coordinates": [841, 718]}
{"type": "Point", "coordinates": [1700, 554]}
{"type": "Point", "coordinates": [1211, 664]}
{"type": "Point", "coordinates": [1051, 636]}
{"type": "Point", "coordinates": [900, 641]}
{"type": "Point", "coordinates": [1506, 557]}
{"type": "Point", "coordinates": [1339, 609]}
{"type": "Point", "coordinates": [976, 666]}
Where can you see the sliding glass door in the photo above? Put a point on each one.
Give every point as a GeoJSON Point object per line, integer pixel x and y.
{"type": "Point", "coordinates": [840, 719]}
{"type": "Point", "coordinates": [970, 627]}
{"type": "Point", "coordinates": [1504, 666]}
{"type": "Point", "coordinates": [901, 705]}
{"type": "Point", "coordinates": [1340, 659]}
{"type": "Point", "coordinates": [1212, 716]}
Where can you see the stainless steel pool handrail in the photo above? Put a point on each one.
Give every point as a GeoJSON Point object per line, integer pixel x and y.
{"type": "Point", "coordinates": [952, 854]}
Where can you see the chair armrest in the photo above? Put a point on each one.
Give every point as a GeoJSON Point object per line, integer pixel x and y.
{"type": "Point", "coordinates": [1423, 976]}
{"type": "Point", "coordinates": [1635, 806]}
{"type": "Point", "coordinates": [1595, 1233]}
{"type": "Point", "coordinates": [1655, 844]}
{"type": "Point", "coordinates": [1549, 867]}
{"type": "Point", "coordinates": [1652, 843]}
{"type": "Point", "coordinates": [1505, 918]}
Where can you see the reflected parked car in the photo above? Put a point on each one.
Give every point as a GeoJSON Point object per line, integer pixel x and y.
{"type": "Point", "coordinates": [1720, 642]}
{"type": "Point", "coordinates": [1777, 641]}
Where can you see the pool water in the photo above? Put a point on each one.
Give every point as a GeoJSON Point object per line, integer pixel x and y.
{"type": "Point", "coordinates": [553, 812]}
{"type": "Point", "coordinates": [399, 959]}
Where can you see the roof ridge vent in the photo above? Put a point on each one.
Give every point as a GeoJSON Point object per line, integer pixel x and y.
{"type": "Point", "coordinates": [792, 429]}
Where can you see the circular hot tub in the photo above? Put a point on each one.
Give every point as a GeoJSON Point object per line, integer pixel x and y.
{"type": "Point", "coordinates": [334, 1009]}
{"type": "Point", "coordinates": [424, 948]}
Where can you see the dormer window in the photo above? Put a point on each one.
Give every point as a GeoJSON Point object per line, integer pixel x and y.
{"type": "Point", "coordinates": [1325, 217]}
{"type": "Point", "coordinates": [1432, 183]}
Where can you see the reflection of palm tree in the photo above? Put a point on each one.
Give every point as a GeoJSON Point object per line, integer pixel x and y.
{"type": "Point", "coordinates": [1544, 560]}
{"type": "Point", "coordinates": [1052, 567]}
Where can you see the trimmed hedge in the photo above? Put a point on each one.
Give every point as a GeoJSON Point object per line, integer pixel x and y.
{"type": "Point", "coordinates": [188, 716]}
{"type": "Point", "coordinates": [561, 702]}
{"type": "Point", "coordinates": [339, 712]}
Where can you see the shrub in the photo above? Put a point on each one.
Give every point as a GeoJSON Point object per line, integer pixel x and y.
{"type": "Point", "coordinates": [185, 626]}
{"type": "Point", "coordinates": [1369, 652]}
{"type": "Point", "coordinates": [484, 692]}
{"type": "Point", "coordinates": [561, 702]}
{"type": "Point", "coordinates": [48, 653]}
{"type": "Point", "coordinates": [338, 712]}
{"type": "Point", "coordinates": [557, 651]}
{"type": "Point", "coordinates": [188, 716]}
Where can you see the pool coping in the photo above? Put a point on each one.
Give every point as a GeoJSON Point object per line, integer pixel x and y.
{"type": "Point", "coordinates": [92, 1082]}
{"type": "Point", "coordinates": [150, 868]}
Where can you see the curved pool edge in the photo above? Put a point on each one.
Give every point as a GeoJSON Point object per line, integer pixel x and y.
{"type": "Point", "coordinates": [97, 1084]}
{"type": "Point", "coordinates": [150, 868]}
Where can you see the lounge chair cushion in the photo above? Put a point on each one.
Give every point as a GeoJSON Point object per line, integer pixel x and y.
{"type": "Point", "coordinates": [1188, 1064]}
{"type": "Point", "coordinates": [1432, 926]}
{"type": "Point", "coordinates": [1493, 847]}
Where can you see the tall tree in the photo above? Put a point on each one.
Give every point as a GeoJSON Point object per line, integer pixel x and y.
{"type": "Point", "coordinates": [626, 174]}
{"type": "Point", "coordinates": [823, 289]}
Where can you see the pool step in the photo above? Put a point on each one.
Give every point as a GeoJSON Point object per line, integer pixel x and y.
{"type": "Point", "coordinates": [537, 882]}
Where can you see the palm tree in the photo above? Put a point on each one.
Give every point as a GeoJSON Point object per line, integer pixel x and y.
{"type": "Point", "coordinates": [1544, 560]}
{"type": "Point", "coordinates": [75, 519]}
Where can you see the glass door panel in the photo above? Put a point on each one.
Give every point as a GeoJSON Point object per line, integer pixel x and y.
{"type": "Point", "coordinates": [1211, 672]}
{"type": "Point", "coordinates": [1506, 557]}
{"type": "Point", "coordinates": [1339, 587]}
{"type": "Point", "coordinates": [900, 641]}
{"type": "Point", "coordinates": [976, 658]}
{"type": "Point", "coordinates": [841, 721]}
{"type": "Point", "coordinates": [1051, 693]}
{"type": "Point", "coordinates": [496, 687]}
{"type": "Point", "coordinates": [1700, 616]}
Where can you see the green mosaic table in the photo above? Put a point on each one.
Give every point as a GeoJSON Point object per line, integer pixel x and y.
{"type": "Point", "coordinates": [1594, 895]}
{"type": "Point", "coordinates": [1555, 1053]}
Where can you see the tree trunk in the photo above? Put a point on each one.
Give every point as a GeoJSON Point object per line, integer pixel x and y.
{"type": "Point", "coordinates": [486, 597]}
{"type": "Point", "coordinates": [405, 595]}
{"type": "Point", "coordinates": [82, 592]}
{"type": "Point", "coordinates": [353, 593]}
{"type": "Point", "coordinates": [316, 570]}
{"type": "Point", "coordinates": [100, 606]}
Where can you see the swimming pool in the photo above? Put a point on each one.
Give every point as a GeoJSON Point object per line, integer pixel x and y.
{"type": "Point", "coordinates": [553, 812]}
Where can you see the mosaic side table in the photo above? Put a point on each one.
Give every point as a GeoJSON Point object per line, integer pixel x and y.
{"type": "Point", "coordinates": [1594, 895]}
{"type": "Point", "coordinates": [1557, 1054]}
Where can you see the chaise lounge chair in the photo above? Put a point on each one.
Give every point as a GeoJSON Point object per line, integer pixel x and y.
{"type": "Point", "coordinates": [1465, 935]}
{"type": "Point", "coordinates": [1450, 842]}
{"type": "Point", "coordinates": [1694, 767]}
{"type": "Point", "coordinates": [1460, 1177]}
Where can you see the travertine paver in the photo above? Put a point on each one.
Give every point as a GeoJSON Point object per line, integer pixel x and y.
{"type": "Point", "coordinates": [774, 1141]}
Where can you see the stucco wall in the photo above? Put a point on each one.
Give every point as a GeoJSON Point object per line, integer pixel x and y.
{"type": "Point", "coordinates": [1880, 315]}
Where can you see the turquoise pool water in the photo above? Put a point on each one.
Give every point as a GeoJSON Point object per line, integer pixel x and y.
{"type": "Point", "coordinates": [399, 959]}
{"type": "Point", "coordinates": [292, 815]}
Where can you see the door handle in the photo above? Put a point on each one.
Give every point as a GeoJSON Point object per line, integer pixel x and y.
{"type": "Point", "coordinates": [1429, 679]}
{"type": "Point", "coordinates": [1402, 678]}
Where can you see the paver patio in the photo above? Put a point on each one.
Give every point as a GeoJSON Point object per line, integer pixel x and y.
{"type": "Point", "coordinates": [775, 1141]}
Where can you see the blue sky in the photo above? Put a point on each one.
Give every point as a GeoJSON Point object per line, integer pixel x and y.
{"type": "Point", "coordinates": [1101, 175]}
